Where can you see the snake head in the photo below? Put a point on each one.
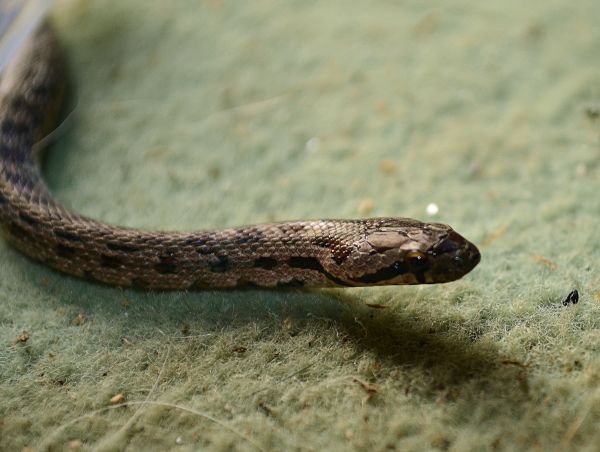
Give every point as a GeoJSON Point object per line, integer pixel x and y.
{"type": "Point", "coordinates": [403, 251]}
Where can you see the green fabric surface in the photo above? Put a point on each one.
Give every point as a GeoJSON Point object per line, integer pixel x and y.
{"type": "Point", "coordinates": [199, 114]}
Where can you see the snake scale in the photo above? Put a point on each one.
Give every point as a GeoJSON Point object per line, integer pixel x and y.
{"type": "Point", "coordinates": [320, 253]}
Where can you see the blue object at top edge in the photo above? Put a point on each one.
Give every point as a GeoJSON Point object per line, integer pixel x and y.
{"type": "Point", "coordinates": [18, 19]}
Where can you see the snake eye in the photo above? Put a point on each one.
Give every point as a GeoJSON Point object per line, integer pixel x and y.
{"type": "Point", "coordinates": [416, 258]}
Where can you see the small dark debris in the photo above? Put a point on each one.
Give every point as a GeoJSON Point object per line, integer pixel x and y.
{"type": "Point", "coordinates": [214, 172]}
{"type": "Point", "coordinates": [185, 329]}
{"type": "Point", "coordinates": [573, 297]}
{"type": "Point", "coordinates": [592, 112]}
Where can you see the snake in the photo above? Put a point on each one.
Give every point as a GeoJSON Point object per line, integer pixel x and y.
{"type": "Point", "coordinates": [34, 89]}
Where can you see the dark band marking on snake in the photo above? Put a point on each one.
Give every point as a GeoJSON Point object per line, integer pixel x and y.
{"type": "Point", "coordinates": [311, 253]}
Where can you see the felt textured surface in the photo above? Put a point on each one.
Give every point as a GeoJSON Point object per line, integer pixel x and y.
{"type": "Point", "coordinates": [213, 113]}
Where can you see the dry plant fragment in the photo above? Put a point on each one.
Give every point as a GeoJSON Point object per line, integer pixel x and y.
{"type": "Point", "coordinates": [376, 306]}
{"type": "Point", "coordinates": [368, 387]}
{"type": "Point", "coordinates": [22, 338]}
{"type": "Point", "coordinates": [515, 363]}
{"type": "Point", "coordinates": [118, 398]}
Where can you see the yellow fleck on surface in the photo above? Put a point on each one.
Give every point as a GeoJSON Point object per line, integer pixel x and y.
{"type": "Point", "coordinates": [427, 24]}
{"type": "Point", "coordinates": [366, 206]}
{"type": "Point", "coordinates": [388, 166]}
{"type": "Point", "coordinates": [498, 233]}
{"type": "Point", "coordinates": [75, 444]}
{"type": "Point", "coordinates": [283, 182]}
{"type": "Point", "coordinates": [545, 261]}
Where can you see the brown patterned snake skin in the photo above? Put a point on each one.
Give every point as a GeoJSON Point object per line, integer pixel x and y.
{"type": "Point", "coordinates": [322, 253]}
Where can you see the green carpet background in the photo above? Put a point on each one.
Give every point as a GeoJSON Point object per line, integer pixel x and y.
{"type": "Point", "coordinates": [199, 114]}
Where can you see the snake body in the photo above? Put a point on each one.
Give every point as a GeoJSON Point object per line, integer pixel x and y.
{"type": "Point", "coordinates": [320, 253]}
